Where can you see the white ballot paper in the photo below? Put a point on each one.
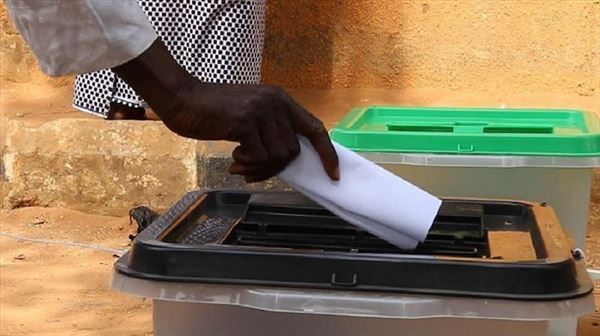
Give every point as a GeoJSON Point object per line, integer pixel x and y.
{"type": "Point", "coordinates": [366, 195]}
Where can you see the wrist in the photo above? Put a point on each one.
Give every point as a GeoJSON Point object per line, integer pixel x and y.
{"type": "Point", "coordinates": [158, 78]}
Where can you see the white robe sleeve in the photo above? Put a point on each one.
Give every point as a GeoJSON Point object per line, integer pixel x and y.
{"type": "Point", "coordinates": [79, 36]}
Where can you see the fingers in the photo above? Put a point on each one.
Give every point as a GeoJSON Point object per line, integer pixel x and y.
{"type": "Point", "coordinates": [268, 141]}
{"type": "Point", "coordinates": [254, 149]}
{"type": "Point", "coordinates": [281, 150]}
{"type": "Point", "coordinates": [240, 156]}
{"type": "Point", "coordinates": [288, 134]}
{"type": "Point", "coordinates": [251, 170]}
{"type": "Point", "coordinates": [312, 128]}
{"type": "Point", "coordinates": [237, 168]}
{"type": "Point", "coordinates": [253, 173]}
{"type": "Point", "coordinates": [279, 139]}
{"type": "Point", "coordinates": [244, 164]}
{"type": "Point", "coordinates": [272, 140]}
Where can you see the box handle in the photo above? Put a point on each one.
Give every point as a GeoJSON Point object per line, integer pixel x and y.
{"type": "Point", "coordinates": [336, 282]}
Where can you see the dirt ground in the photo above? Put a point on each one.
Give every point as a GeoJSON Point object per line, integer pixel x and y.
{"type": "Point", "coordinates": [62, 290]}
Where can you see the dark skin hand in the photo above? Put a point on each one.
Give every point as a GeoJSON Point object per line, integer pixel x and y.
{"type": "Point", "coordinates": [263, 119]}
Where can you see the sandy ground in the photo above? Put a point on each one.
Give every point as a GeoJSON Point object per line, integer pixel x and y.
{"type": "Point", "coordinates": [61, 290]}
{"type": "Point", "coordinates": [58, 290]}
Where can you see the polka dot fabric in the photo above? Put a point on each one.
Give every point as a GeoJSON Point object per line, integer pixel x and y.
{"type": "Point", "coordinates": [217, 41]}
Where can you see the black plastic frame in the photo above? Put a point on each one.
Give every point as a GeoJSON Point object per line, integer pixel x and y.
{"type": "Point", "coordinates": [155, 255]}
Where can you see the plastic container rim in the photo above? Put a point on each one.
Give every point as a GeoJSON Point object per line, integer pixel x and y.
{"type": "Point", "coordinates": [372, 305]}
{"type": "Point", "coordinates": [488, 161]}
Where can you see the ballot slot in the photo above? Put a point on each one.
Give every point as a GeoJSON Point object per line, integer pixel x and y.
{"type": "Point", "coordinates": [470, 127]}
{"type": "Point", "coordinates": [293, 221]}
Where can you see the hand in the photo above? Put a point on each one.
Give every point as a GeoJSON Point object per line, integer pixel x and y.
{"type": "Point", "coordinates": [263, 119]}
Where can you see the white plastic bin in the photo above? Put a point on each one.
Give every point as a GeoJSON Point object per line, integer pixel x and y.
{"type": "Point", "coordinates": [539, 155]}
{"type": "Point", "coordinates": [565, 184]}
{"type": "Point", "coordinates": [185, 309]}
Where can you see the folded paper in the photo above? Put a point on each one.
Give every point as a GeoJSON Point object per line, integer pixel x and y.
{"type": "Point", "coordinates": [367, 195]}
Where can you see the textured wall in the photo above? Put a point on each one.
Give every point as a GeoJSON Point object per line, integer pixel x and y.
{"type": "Point", "coordinates": [543, 46]}
{"type": "Point", "coordinates": [507, 46]}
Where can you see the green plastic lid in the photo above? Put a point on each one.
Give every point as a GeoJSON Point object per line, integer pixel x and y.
{"type": "Point", "coordinates": [473, 131]}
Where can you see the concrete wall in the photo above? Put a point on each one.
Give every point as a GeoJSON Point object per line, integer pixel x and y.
{"type": "Point", "coordinates": [506, 46]}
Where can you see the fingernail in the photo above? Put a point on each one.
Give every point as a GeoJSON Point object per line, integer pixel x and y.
{"type": "Point", "coordinates": [336, 173]}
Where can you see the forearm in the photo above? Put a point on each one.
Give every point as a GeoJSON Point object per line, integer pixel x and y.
{"type": "Point", "coordinates": [157, 77]}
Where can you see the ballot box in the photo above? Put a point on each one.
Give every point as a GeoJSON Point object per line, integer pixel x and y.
{"type": "Point", "coordinates": [275, 263]}
{"type": "Point", "coordinates": [527, 154]}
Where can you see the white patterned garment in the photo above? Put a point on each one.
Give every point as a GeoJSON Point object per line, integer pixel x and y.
{"type": "Point", "coordinates": [68, 36]}
{"type": "Point", "coordinates": [217, 41]}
